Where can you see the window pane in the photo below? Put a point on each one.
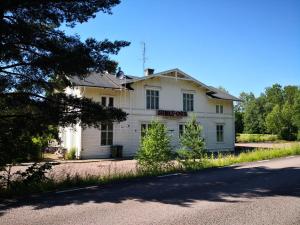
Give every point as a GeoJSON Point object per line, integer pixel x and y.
{"type": "Point", "coordinates": [103, 138]}
{"type": "Point", "coordinates": [151, 102]}
{"type": "Point", "coordinates": [103, 101]}
{"type": "Point", "coordinates": [221, 108]}
{"type": "Point", "coordinates": [111, 102]}
{"type": "Point", "coordinates": [180, 129]}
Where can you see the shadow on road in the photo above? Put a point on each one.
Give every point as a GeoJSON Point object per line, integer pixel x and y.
{"type": "Point", "coordinates": [232, 184]}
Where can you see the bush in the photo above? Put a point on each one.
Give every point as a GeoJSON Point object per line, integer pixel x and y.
{"type": "Point", "coordinates": [155, 152]}
{"type": "Point", "coordinates": [256, 137]}
{"type": "Point", "coordinates": [192, 144]}
{"type": "Point", "coordinates": [71, 154]}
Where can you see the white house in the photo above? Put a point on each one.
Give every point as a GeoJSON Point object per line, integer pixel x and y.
{"type": "Point", "coordinates": [169, 96]}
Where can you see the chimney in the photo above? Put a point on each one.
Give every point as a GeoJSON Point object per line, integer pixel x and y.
{"type": "Point", "coordinates": [148, 72]}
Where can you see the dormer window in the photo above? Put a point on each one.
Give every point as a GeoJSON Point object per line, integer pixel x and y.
{"type": "Point", "coordinates": [152, 99]}
{"type": "Point", "coordinates": [219, 109]}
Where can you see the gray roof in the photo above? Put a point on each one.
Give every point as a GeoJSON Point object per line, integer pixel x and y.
{"type": "Point", "coordinates": [106, 80]}
{"type": "Point", "coordinates": [219, 94]}
{"type": "Point", "coordinates": [103, 80]}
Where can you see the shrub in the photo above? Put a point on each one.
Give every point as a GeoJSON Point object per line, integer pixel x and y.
{"type": "Point", "coordinates": [71, 154]}
{"type": "Point", "coordinates": [192, 144]}
{"type": "Point", "coordinates": [155, 152]}
{"type": "Point", "coordinates": [256, 137]}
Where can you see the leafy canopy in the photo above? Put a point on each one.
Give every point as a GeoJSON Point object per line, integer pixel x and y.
{"type": "Point", "coordinates": [36, 60]}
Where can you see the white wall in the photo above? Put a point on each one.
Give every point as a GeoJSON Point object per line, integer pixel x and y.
{"type": "Point", "coordinates": [134, 102]}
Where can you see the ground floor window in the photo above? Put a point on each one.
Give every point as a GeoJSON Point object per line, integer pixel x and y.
{"type": "Point", "coordinates": [106, 134]}
{"type": "Point", "coordinates": [181, 129]}
{"type": "Point", "coordinates": [144, 127]}
{"type": "Point", "coordinates": [220, 132]}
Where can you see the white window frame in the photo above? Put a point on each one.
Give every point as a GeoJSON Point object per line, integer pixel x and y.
{"type": "Point", "coordinates": [218, 140]}
{"type": "Point", "coordinates": [107, 131]}
{"type": "Point", "coordinates": [147, 126]}
{"type": "Point", "coordinates": [219, 109]}
{"type": "Point", "coordinates": [107, 98]}
{"type": "Point", "coordinates": [156, 100]}
{"type": "Point", "coordinates": [189, 102]}
{"type": "Point", "coordinates": [183, 128]}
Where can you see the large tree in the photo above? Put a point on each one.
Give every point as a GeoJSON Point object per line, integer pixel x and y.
{"type": "Point", "coordinates": [36, 60]}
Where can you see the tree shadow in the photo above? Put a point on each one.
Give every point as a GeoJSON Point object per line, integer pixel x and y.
{"type": "Point", "coordinates": [228, 185]}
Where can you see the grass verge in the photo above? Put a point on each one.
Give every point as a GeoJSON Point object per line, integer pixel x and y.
{"type": "Point", "coordinates": [256, 138]}
{"type": "Point", "coordinates": [18, 188]}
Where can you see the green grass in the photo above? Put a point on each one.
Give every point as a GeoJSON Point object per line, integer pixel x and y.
{"type": "Point", "coordinates": [18, 188]}
{"type": "Point", "coordinates": [256, 138]}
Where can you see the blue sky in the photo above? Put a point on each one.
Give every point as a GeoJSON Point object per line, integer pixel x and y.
{"type": "Point", "coordinates": [242, 45]}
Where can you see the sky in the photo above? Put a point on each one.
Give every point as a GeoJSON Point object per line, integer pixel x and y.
{"type": "Point", "coordinates": [241, 45]}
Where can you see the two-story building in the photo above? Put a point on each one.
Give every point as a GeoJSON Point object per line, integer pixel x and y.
{"type": "Point", "coordinates": [171, 97]}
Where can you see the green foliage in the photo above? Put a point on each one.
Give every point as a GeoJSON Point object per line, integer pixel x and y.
{"type": "Point", "coordinates": [277, 111]}
{"type": "Point", "coordinates": [192, 144]}
{"type": "Point", "coordinates": [256, 137]}
{"type": "Point", "coordinates": [155, 152]}
{"type": "Point", "coordinates": [280, 121]}
{"type": "Point", "coordinates": [71, 154]}
{"type": "Point", "coordinates": [37, 60]}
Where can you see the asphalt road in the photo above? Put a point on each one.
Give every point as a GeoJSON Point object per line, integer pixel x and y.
{"type": "Point", "coordinates": [266, 192]}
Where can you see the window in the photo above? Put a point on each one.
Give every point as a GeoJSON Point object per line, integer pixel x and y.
{"type": "Point", "coordinates": [219, 109]}
{"type": "Point", "coordinates": [144, 127]}
{"type": "Point", "coordinates": [111, 102]}
{"type": "Point", "coordinates": [152, 99]}
{"type": "Point", "coordinates": [181, 129]}
{"type": "Point", "coordinates": [106, 134]}
{"type": "Point", "coordinates": [103, 101]}
{"type": "Point", "coordinates": [107, 101]}
{"type": "Point", "coordinates": [220, 133]}
{"type": "Point", "coordinates": [188, 102]}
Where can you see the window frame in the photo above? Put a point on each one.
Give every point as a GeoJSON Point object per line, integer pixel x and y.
{"type": "Point", "coordinates": [108, 99]}
{"type": "Point", "coordinates": [152, 99]}
{"type": "Point", "coordinates": [109, 140]}
{"type": "Point", "coordinates": [219, 109]}
{"type": "Point", "coordinates": [219, 133]}
{"type": "Point", "coordinates": [187, 102]}
{"type": "Point", "coordinates": [143, 132]}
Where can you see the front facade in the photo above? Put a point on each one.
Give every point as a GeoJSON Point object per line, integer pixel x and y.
{"type": "Point", "coordinates": [170, 97]}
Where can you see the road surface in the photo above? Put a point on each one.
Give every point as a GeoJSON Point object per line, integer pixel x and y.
{"type": "Point", "coordinates": [266, 192]}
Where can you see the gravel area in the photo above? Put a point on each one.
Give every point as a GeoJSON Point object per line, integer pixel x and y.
{"type": "Point", "coordinates": [84, 168]}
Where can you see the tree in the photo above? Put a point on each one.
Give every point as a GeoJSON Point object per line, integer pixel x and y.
{"type": "Point", "coordinates": [36, 60]}
{"type": "Point", "coordinates": [280, 121]}
{"type": "Point", "coordinates": [254, 117]}
{"type": "Point", "coordinates": [155, 152]}
{"type": "Point", "coordinates": [192, 142]}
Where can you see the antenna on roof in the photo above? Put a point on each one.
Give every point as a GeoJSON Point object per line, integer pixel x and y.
{"type": "Point", "coordinates": [144, 55]}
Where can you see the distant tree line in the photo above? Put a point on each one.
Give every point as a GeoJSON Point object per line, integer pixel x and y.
{"type": "Point", "coordinates": [276, 111]}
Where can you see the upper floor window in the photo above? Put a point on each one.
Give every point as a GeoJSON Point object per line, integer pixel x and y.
{"type": "Point", "coordinates": [107, 101]}
{"type": "Point", "coordinates": [219, 109]}
{"type": "Point", "coordinates": [188, 102]}
{"type": "Point", "coordinates": [152, 99]}
{"type": "Point", "coordinates": [220, 132]}
{"type": "Point", "coordinates": [106, 134]}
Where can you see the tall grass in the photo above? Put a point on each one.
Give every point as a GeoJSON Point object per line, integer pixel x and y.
{"type": "Point", "coordinates": [19, 188]}
{"type": "Point", "coordinates": [256, 137]}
